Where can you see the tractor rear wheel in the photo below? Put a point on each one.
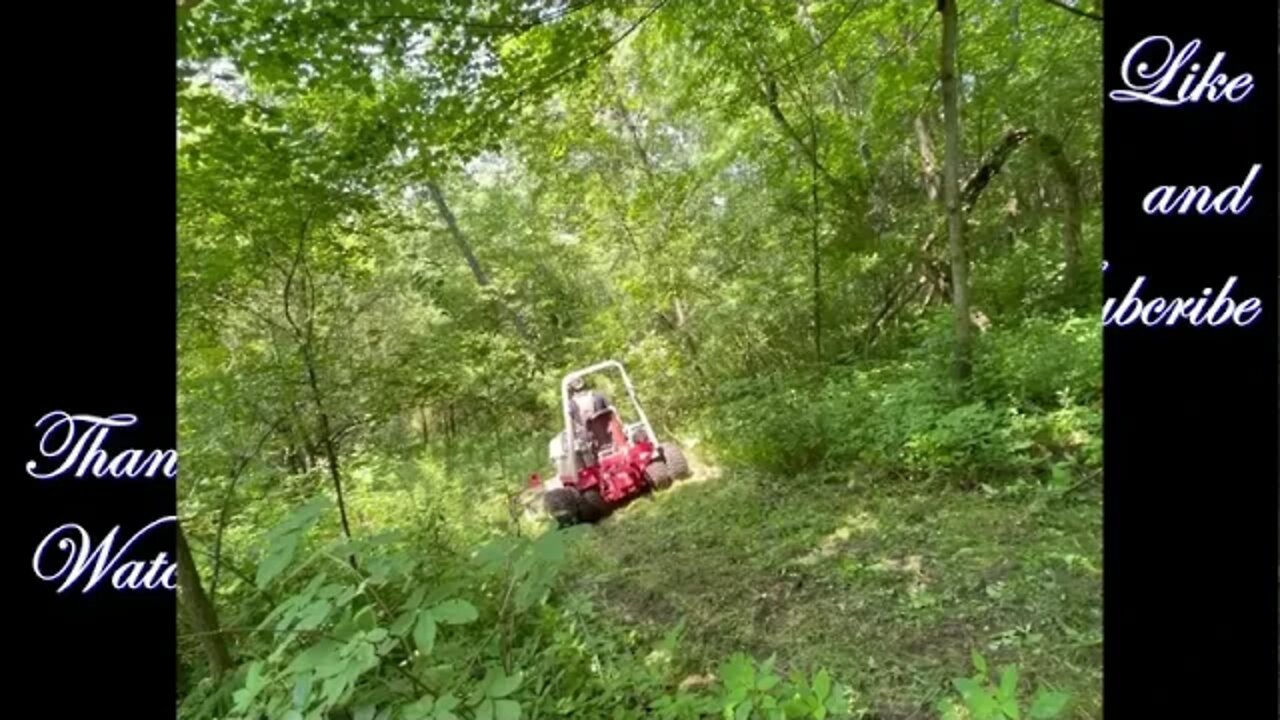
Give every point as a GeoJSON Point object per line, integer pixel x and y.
{"type": "Point", "coordinates": [658, 475]}
{"type": "Point", "coordinates": [676, 461]}
{"type": "Point", "coordinates": [591, 507]}
{"type": "Point", "coordinates": [563, 504]}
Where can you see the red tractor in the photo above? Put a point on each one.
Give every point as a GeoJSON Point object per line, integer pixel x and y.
{"type": "Point", "coordinates": [602, 462]}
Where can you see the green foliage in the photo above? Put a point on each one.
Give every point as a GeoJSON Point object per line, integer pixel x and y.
{"type": "Point", "coordinates": [1042, 363]}
{"type": "Point", "coordinates": [401, 222]}
{"type": "Point", "coordinates": [1025, 416]}
{"type": "Point", "coordinates": [754, 690]}
{"type": "Point", "coordinates": [982, 698]}
{"type": "Point", "coordinates": [338, 638]}
{"type": "Point", "coordinates": [395, 639]}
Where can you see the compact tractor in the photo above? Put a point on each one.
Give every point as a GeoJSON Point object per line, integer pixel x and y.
{"type": "Point", "coordinates": [600, 461]}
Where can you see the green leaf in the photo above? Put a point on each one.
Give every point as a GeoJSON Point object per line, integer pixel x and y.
{"type": "Point", "coordinates": [1047, 705]}
{"type": "Point", "coordinates": [414, 600]}
{"type": "Point", "coordinates": [979, 662]}
{"type": "Point", "coordinates": [822, 685]}
{"type": "Point", "coordinates": [446, 702]}
{"type": "Point", "coordinates": [253, 681]}
{"type": "Point", "coordinates": [313, 615]}
{"type": "Point", "coordinates": [301, 691]}
{"type": "Point", "coordinates": [346, 628]}
{"type": "Point", "coordinates": [738, 672]}
{"type": "Point", "coordinates": [982, 705]}
{"type": "Point", "coordinates": [364, 713]}
{"type": "Point", "coordinates": [364, 618]}
{"type": "Point", "coordinates": [323, 652]}
{"type": "Point", "coordinates": [549, 547]}
{"type": "Point", "coordinates": [273, 564]}
{"type": "Point", "coordinates": [767, 682]}
{"type": "Point", "coordinates": [950, 710]}
{"type": "Point", "coordinates": [333, 667]}
{"type": "Point", "coordinates": [293, 715]}
{"type": "Point", "coordinates": [503, 685]}
{"type": "Point", "coordinates": [403, 623]}
{"type": "Point", "coordinates": [455, 612]}
{"type": "Point", "coordinates": [1009, 682]}
{"type": "Point", "coordinates": [424, 632]}
{"type": "Point", "coordinates": [967, 687]}
{"type": "Point", "coordinates": [506, 710]}
{"type": "Point", "coordinates": [493, 554]}
{"type": "Point", "coordinates": [737, 694]}
{"type": "Point", "coordinates": [744, 711]}
{"type": "Point", "coordinates": [1009, 706]}
{"type": "Point", "coordinates": [419, 709]}
{"type": "Point", "coordinates": [839, 699]}
{"type": "Point", "coordinates": [485, 711]}
{"type": "Point", "coordinates": [795, 707]}
{"type": "Point", "coordinates": [282, 540]}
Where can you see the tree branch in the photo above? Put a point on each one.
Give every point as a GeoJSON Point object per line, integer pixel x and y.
{"type": "Point", "coordinates": [1075, 10]}
{"type": "Point", "coordinates": [225, 510]}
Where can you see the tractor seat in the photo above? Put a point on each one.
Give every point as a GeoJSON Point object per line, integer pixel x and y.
{"type": "Point", "coordinates": [605, 431]}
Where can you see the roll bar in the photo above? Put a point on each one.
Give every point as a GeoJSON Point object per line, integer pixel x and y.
{"type": "Point", "coordinates": [626, 382]}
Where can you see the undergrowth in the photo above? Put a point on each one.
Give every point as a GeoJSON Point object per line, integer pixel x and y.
{"type": "Point", "coordinates": [861, 540]}
{"type": "Point", "coordinates": [1032, 409]}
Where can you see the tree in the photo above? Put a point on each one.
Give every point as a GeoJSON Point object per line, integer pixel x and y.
{"type": "Point", "coordinates": [963, 351]}
{"type": "Point", "coordinates": [198, 610]}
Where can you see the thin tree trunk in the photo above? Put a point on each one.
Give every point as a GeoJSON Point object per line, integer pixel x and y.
{"type": "Point", "coordinates": [962, 362]}
{"type": "Point", "coordinates": [770, 93]}
{"type": "Point", "coordinates": [928, 158]}
{"type": "Point", "coordinates": [816, 247]}
{"type": "Point", "coordinates": [199, 610]}
{"type": "Point", "coordinates": [460, 239]}
{"type": "Point", "coordinates": [326, 440]}
{"type": "Point", "coordinates": [305, 337]}
{"type": "Point", "coordinates": [225, 512]}
{"type": "Point", "coordinates": [1069, 181]}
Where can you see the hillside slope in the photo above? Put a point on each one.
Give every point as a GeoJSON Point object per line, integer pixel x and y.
{"type": "Point", "coordinates": [892, 589]}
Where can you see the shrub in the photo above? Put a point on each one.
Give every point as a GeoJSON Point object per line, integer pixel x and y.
{"type": "Point", "coordinates": [981, 699]}
{"type": "Point", "coordinates": [1029, 408]}
{"type": "Point", "coordinates": [1038, 364]}
{"type": "Point", "coordinates": [485, 639]}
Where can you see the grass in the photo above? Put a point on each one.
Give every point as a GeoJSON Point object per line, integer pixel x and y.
{"type": "Point", "coordinates": [889, 588]}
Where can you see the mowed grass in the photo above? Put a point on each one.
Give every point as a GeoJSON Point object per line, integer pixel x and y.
{"type": "Point", "coordinates": [890, 588]}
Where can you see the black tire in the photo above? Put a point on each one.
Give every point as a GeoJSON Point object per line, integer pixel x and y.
{"type": "Point", "coordinates": [591, 507]}
{"type": "Point", "coordinates": [676, 461]}
{"type": "Point", "coordinates": [563, 504]}
{"type": "Point", "coordinates": [658, 475]}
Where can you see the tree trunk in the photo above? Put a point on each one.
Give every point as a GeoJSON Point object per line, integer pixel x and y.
{"type": "Point", "coordinates": [199, 611]}
{"type": "Point", "coordinates": [482, 278]}
{"type": "Point", "coordinates": [816, 246]}
{"type": "Point", "coordinates": [962, 361]}
{"type": "Point", "coordinates": [928, 158]}
{"type": "Point", "coordinates": [326, 438]}
{"type": "Point", "coordinates": [1069, 181]}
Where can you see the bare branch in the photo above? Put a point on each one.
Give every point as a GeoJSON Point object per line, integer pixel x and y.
{"type": "Point", "coordinates": [1075, 10]}
{"type": "Point", "coordinates": [225, 510]}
